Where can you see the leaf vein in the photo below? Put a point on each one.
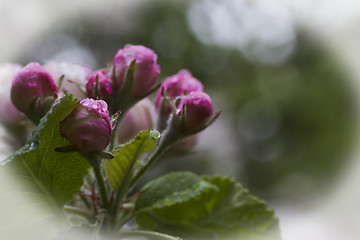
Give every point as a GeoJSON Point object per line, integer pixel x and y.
{"type": "Point", "coordinates": [46, 151]}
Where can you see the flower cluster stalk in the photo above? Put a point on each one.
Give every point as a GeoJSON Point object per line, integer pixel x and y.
{"type": "Point", "coordinates": [101, 184]}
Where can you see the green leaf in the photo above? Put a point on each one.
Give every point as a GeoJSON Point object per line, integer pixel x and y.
{"type": "Point", "coordinates": [125, 156]}
{"type": "Point", "coordinates": [194, 207]}
{"type": "Point", "coordinates": [57, 175]}
{"type": "Point", "coordinates": [182, 193]}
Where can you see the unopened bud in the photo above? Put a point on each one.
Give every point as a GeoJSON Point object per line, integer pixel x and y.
{"type": "Point", "coordinates": [99, 85]}
{"type": "Point", "coordinates": [194, 111]}
{"type": "Point", "coordinates": [11, 118]}
{"type": "Point", "coordinates": [31, 88]}
{"type": "Point", "coordinates": [145, 73]}
{"type": "Point", "coordinates": [174, 86]}
{"type": "Point", "coordinates": [88, 126]}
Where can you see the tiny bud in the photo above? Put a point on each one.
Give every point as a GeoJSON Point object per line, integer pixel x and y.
{"type": "Point", "coordinates": [88, 126]}
{"type": "Point", "coordinates": [139, 117]}
{"type": "Point", "coordinates": [103, 86]}
{"type": "Point", "coordinates": [175, 86]}
{"type": "Point", "coordinates": [30, 89]}
{"type": "Point", "coordinates": [145, 73]}
{"type": "Point", "coordinates": [198, 111]}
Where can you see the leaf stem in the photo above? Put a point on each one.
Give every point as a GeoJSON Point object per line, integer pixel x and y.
{"type": "Point", "coordinates": [117, 122]}
{"type": "Point", "coordinates": [101, 184]}
{"type": "Point", "coordinates": [121, 193]}
{"type": "Point", "coordinates": [168, 138]}
{"type": "Point", "coordinates": [150, 160]}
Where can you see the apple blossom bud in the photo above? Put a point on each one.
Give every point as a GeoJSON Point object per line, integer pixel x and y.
{"type": "Point", "coordinates": [103, 86]}
{"type": "Point", "coordinates": [11, 118]}
{"type": "Point", "coordinates": [30, 90]}
{"type": "Point", "coordinates": [139, 117]}
{"type": "Point", "coordinates": [174, 86]}
{"type": "Point", "coordinates": [177, 84]}
{"type": "Point", "coordinates": [74, 80]}
{"type": "Point", "coordinates": [145, 73]}
{"type": "Point", "coordinates": [198, 111]}
{"type": "Point", "coordinates": [88, 126]}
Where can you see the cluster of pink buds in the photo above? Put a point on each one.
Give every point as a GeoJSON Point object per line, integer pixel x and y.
{"type": "Point", "coordinates": [123, 87]}
{"type": "Point", "coordinates": [181, 99]}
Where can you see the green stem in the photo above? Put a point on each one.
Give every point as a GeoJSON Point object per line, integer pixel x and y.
{"type": "Point", "coordinates": [101, 184]}
{"type": "Point", "coordinates": [115, 205]}
{"type": "Point", "coordinates": [169, 138]}
{"type": "Point", "coordinates": [148, 234]}
{"type": "Point", "coordinates": [114, 135]}
{"type": "Point", "coordinates": [130, 182]}
{"type": "Point", "coordinates": [150, 161]}
{"type": "Point", "coordinates": [121, 193]}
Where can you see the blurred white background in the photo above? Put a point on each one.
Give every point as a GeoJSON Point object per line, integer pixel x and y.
{"type": "Point", "coordinates": [336, 23]}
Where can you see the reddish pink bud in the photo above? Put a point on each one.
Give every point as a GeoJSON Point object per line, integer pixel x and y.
{"type": "Point", "coordinates": [198, 111]}
{"type": "Point", "coordinates": [88, 126]}
{"type": "Point", "coordinates": [30, 83]}
{"type": "Point", "coordinates": [146, 69]}
{"type": "Point", "coordinates": [138, 118]}
{"type": "Point", "coordinates": [103, 90]}
{"type": "Point", "coordinates": [176, 85]}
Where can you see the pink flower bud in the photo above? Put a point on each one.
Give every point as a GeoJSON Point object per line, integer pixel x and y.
{"type": "Point", "coordinates": [30, 83]}
{"type": "Point", "coordinates": [88, 126]}
{"type": "Point", "coordinates": [174, 86]}
{"type": "Point", "coordinates": [138, 118]}
{"type": "Point", "coordinates": [198, 111]}
{"type": "Point", "coordinates": [75, 76]}
{"type": "Point", "coordinates": [104, 85]}
{"type": "Point", "coordinates": [146, 69]}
